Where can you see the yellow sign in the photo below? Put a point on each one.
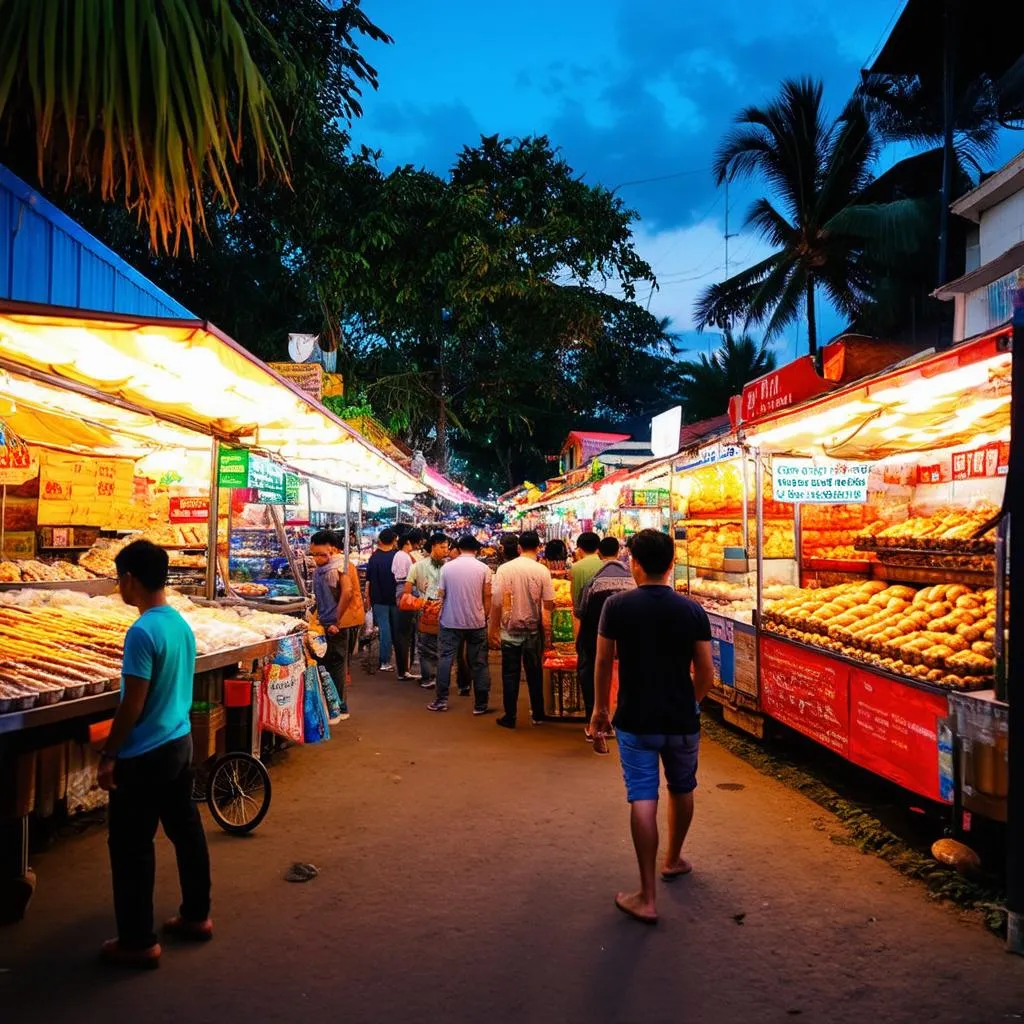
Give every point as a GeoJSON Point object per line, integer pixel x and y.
{"type": "Point", "coordinates": [79, 491]}
{"type": "Point", "coordinates": [334, 385]}
{"type": "Point", "coordinates": [307, 376]}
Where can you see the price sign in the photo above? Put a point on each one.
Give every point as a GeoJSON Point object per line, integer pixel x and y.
{"type": "Point", "coordinates": [822, 483]}
{"type": "Point", "coordinates": [233, 467]}
{"type": "Point", "coordinates": [268, 478]}
{"type": "Point", "coordinates": [15, 461]}
{"type": "Point", "coordinates": [189, 510]}
{"type": "Point", "coordinates": [292, 489]}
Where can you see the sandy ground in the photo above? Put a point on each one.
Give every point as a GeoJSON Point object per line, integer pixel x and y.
{"type": "Point", "coordinates": [467, 874]}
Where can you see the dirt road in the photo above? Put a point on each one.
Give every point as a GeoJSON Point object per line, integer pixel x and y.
{"type": "Point", "coordinates": [467, 875]}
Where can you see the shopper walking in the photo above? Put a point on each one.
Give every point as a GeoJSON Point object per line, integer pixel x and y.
{"type": "Point", "coordinates": [146, 765]}
{"type": "Point", "coordinates": [339, 607]}
{"type": "Point", "coordinates": [424, 581]}
{"type": "Point", "coordinates": [465, 590]}
{"type": "Point", "coordinates": [612, 578]}
{"type": "Point", "coordinates": [585, 567]}
{"type": "Point", "coordinates": [663, 642]}
{"type": "Point", "coordinates": [404, 621]}
{"type": "Point", "coordinates": [522, 600]}
{"type": "Point", "coordinates": [380, 594]}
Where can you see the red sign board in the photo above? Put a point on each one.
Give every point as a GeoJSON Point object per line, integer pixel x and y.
{"type": "Point", "coordinates": [988, 461]}
{"type": "Point", "coordinates": [778, 390]}
{"type": "Point", "coordinates": [808, 692]}
{"type": "Point", "coordinates": [190, 510]}
{"type": "Point", "coordinates": [894, 731]}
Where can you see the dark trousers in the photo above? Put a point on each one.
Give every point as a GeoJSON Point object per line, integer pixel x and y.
{"type": "Point", "coordinates": [515, 658]}
{"type": "Point", "coordinates": [476, 652]}
{"type": "Point", "coordinates": [155, 788]}
{"type": "Point", "coordinates": [428, 655]}
{"type": "Point", "coordinates": [403, 629]}
{"type": "Point", "coordinates": [336, 659]}
{"type": "Point", "coordinates": [585, 663]}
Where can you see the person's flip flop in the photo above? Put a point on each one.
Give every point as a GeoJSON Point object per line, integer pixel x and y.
{"type": "Point", "coordinates": [642, 918]}
{"type": "Point", "coordinates": [672, 876]}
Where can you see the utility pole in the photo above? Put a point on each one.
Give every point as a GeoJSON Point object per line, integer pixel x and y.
{"type": "Point", "coordinates": [728, 325]}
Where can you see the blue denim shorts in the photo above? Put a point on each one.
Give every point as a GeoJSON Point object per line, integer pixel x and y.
{"type": "Point", "coordinates": [640, 753]}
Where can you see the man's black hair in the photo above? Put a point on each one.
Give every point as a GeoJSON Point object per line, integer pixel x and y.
{"type": "Point", "coordinates": [588, 542]}
{"type": "Point", "coordinates": [609, 547]}
{"type": "Point", "coordinates": [435, 539]}
{"type": "Point", "coordinates": [406, 539]}
{"type": "Point", "coordinates": [654, 550]}
{"type": "Point", "coordinates": [325, 537]}
{"type": "Point", "coordinates": [386, 538]}
{"type": "Point", "coordinates": [529, 541]}
{"type": "Point", "coordinates": [555, 550]}
{"type": "Point", "coordinates": [416, 536]}
{"type": "Point", "coordinates": [146, 562]}
{"type": "Point", "coordinates": [469, 543]}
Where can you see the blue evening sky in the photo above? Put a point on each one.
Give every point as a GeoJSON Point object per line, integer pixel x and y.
{"type": "Point", "coordinates": [629, 90]}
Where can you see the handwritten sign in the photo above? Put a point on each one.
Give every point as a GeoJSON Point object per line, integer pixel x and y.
{"type": "Point", "coordinates": [16, 465]}
{"type": "Point", "coordinates": [990, 460]}
{"type": "Point", "coordinates": [828, 483]}
{"type": "Point", "coordinates": [307, 376]}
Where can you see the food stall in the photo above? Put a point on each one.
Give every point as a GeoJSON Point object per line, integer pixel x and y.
{"type": "Point", "coordinates": [91, 406]}
{"type": "Point", "coordinates": [895, 484]}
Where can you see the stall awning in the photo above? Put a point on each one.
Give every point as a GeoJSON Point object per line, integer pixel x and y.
{"type": "Point", "coordinates": [448, 489]}
{"type": "Point", "coordinates": [944, 400]}
{"type": "Point", "coordinates": [190, 376]}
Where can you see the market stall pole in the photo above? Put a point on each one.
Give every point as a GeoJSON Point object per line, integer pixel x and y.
{"type": "Point", "coordinates": [1014, 509]}
{"type": "Point", "coordinates": [211, 536]}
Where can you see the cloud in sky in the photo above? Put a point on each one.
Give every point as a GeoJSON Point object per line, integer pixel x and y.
{"type": "Point", "coordinates": [631, 90]}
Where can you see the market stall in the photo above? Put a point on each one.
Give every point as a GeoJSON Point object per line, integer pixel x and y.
{"type": "Point", "coordinates": [104, 423]}
{"type": "Point", "coordinates": [896, 483]}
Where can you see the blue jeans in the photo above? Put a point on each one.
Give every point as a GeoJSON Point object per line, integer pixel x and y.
{"type": "Point", "coordinates": [476, 651]}
{"type": "Point", "coordinates": [640, 753]}
{"type": "Point", "coordinates": [385, 617]}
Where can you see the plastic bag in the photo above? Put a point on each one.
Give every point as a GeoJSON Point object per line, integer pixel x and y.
{"type": "Point", "coordinates": [314, 718]}
{"type": "Point", "coordinates": [281, 694]}
{"type": "Point", "coordinates": [368, 623]}
{"type": "Point", "coordinates": [335, 705]}
{"type": "Point", "coordinates": [561, 626]}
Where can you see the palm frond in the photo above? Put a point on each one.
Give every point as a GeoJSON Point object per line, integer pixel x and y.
{"type": "Point", "coordinates": [769, 223]}
{"type": "Point", "coordinates": [151, 103]}
{"type": "Point", "coordinates": [896, 226]}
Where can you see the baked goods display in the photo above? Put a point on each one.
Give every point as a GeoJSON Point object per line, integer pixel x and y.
{"type": "Point", "coordinates": [827, 532]}
{"type": "Point", "coordinates": [706, 542]}
{"type": "Point", "coordinates": [60, 644]}
{"type": "Point", "coordinates": [30, 570]}
{"type": "Point", "coordinates": [942, 634]}
{"type": "Point", "coordinates": [947, 528]}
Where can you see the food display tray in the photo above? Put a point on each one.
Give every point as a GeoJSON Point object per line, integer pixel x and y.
{"type": "Point", "coordinates": [837, 564]}
{"type": "Point", "coordinates": [920, 574]}
{"type": "Point", "coordinates": [95, 588]}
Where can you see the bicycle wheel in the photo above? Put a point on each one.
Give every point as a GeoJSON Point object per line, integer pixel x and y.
{"type": "Point", "coordinates": [238, 792]}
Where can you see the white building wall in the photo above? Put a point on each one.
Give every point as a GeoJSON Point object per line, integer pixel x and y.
{"type": "Point", "coordinates": [1002, 227]}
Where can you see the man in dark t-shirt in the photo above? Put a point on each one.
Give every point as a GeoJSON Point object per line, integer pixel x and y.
{"type": "Point", "coordinates": [663, 643]}
{"type": "Point", "coordinates": [381, 594]}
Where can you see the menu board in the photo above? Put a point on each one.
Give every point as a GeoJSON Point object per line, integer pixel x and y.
{"type": "Point", "coordinates": [894, 731]}
{"type": "Point", "coordinates": [239, 469]}
{"type": "Point", "coordinates": [809, 481]}
{"type": "Point", "coordinates": [806, 691]}
{"type": "Point", "coordinates": [79, 491]}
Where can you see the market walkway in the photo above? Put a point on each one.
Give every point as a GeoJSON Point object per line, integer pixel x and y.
{"type": "Point", "coordinates": [467, 875]}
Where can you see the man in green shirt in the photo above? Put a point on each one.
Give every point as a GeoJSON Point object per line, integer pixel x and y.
{"type": "Point", "coordinates": [586, 568]}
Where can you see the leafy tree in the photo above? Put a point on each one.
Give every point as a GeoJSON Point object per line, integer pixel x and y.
{"type": "Point", "coordinates": [704, 386]}
{"type": "Point", "coordinates": [825, 232]}
{"type": "Point", "coordinates": [481, 292]}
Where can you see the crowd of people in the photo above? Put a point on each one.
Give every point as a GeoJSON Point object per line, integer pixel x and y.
{"type": "Point", "coordinates": [438, 602]}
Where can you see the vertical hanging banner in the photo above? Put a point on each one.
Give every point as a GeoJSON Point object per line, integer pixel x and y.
{"type": "Point", "coordinates": [16, 462]}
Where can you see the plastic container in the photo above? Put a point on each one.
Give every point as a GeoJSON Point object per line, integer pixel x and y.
{"type": "Point", "coordinates": [237, 693]}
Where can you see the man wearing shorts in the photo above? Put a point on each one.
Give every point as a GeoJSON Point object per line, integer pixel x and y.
{"type": "Point", "coordinates": [663, 643]}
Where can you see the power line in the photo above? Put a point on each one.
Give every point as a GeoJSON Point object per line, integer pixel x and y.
{"type": "Point", "coordinates": [661, 177]}
{"type": "Point", "coordinates": [885, 33]}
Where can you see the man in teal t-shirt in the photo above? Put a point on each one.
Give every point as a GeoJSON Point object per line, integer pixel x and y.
{"type": "Point", "coordinates": [146, 765]}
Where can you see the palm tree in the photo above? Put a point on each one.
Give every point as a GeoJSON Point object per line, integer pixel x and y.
{"type": "Point", "coordinates": [706, 385]}
{"type": "Point", "coordinates": [822, 232]}
{"type": "Point", "coordinates": [152, 103]}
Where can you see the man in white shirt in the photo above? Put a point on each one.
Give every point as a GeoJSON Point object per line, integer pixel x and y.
{"type": "Point", "coordinates": [406, 621]}
{"type": "Point", "coordinates": [465, 593]}
{"type": "Point", "coordinates": [522, 600]}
